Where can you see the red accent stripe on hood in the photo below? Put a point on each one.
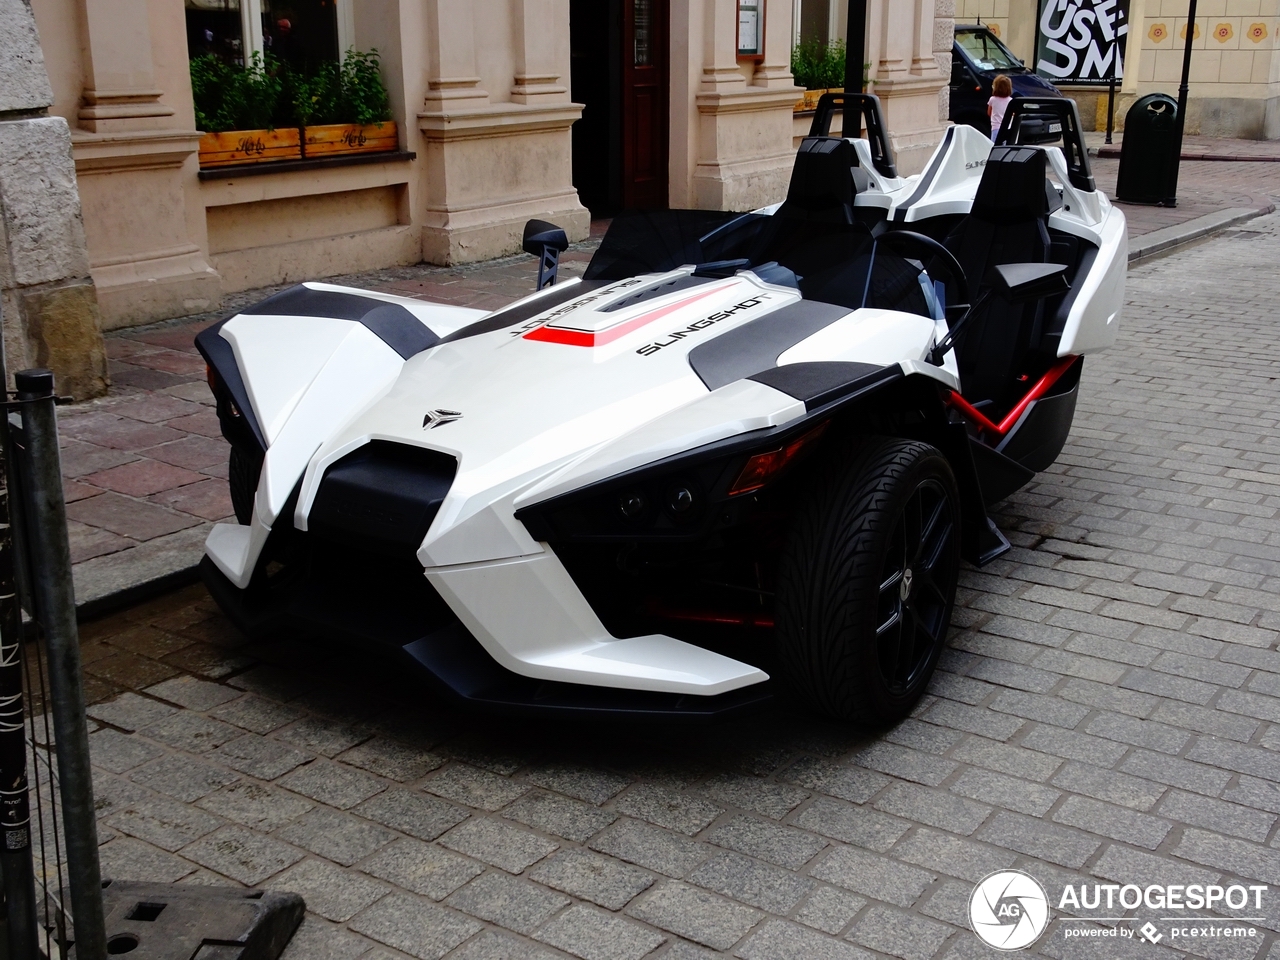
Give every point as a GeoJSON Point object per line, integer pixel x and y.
{"type": "Point", "coordinates": [584, 338]}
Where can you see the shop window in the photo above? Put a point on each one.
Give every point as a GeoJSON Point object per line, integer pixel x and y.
{"type": "Point", "coordinates": [301, 33]}
{"type": "Point", "coordinates": [814, 22]}
{"type": "Point", "coordinates": [215, 26]}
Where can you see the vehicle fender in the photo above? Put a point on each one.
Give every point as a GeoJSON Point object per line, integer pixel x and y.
{"type": "Point", "coordinates": [911, 407]}
{"type": "Point", "coordinates": [359, 372]}
{"type": "Point", "coordinates": [736, 408]}
{"type": "Point", "coordinates": [303, 377]}
{"type": "Point", "coordinates": [1094, 319]}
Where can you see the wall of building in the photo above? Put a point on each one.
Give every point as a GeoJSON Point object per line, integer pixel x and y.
{"type": "Point", "coordinates": [480, 96]}
{"type": "Point", "coordinates": [1235, 67]}
{"type": "Point", "coordinates": [47, 297]}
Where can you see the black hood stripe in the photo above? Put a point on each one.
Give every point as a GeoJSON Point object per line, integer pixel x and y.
{"type": "Point", "coordinates": [389, 322]}
{"type": "Point", "coordinates": [756, 346]}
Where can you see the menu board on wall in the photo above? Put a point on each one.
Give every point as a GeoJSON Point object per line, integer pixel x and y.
{"type": "Point", "coordinates": [1081, 41]}
{"type": "Point", "coordinates": [750, 40]}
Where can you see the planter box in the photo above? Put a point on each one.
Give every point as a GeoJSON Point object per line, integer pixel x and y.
{"type": "Point", "coordinates": [334, 139]}
{"type": "Point", "coordinates": [249, 146]}
{"type": "Point", "coordinates": [809, 102]}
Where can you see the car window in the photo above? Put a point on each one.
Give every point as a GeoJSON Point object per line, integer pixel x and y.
{"type": "Point", "coordinates": [986, 51]}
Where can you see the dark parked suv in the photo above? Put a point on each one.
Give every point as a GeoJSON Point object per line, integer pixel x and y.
{"type": "Point", "coordinates": [977, 57]}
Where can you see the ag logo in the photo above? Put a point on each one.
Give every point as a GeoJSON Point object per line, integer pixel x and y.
{"type": "Point", "coordinates": [1008, 910]}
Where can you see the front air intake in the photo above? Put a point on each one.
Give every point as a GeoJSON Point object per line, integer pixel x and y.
{"type": "Point", "coordinates": [382, 497]}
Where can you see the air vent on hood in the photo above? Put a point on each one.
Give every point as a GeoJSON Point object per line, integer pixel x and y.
{"type": "Point", "coordinates": [382, 497]}
{"type": "Point", "coordinates": [658, 290]}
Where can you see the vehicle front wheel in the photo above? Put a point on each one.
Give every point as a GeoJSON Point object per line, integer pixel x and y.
{"type": "Point", "coordinates": [867, 581]}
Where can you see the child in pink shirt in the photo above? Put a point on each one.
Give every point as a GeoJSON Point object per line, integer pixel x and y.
{"type": "Point", "coordinates": [1002, 87]}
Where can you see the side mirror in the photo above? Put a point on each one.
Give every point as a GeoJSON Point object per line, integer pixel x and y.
{"type": "Point", "coordinates": [1023, 282]}
{"type": "Point", "coordinates": [545, 241]}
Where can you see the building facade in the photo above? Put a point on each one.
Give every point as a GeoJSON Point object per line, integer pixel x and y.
{"type": "Point", "coordinates": [1235, 62]}
{"type": "Point", "coordinates": [504, 110]}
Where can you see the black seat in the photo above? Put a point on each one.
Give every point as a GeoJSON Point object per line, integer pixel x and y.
{"type": "Point", "coordinates": [822, 185]}
{"type": "Point", "coordinates": [1008, 223]}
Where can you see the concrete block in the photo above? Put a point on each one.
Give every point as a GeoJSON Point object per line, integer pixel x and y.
{"type": "Point", "coordinates": [65, 335]}
{"type": "Point", "coordinates": [24, 83]}
{"type": "Point", "coordinates": [41, 201]}
{"type": "Point", "coordinates": [602, 880]}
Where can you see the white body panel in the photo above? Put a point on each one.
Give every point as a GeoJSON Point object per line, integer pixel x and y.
{"type": "Point", "coordinates": [1094, 320]}
{"type": "Point", "coordinates": [579, 393]}
{"type": "Point", "coordinates": [531, 617]}
{"type": "Point", "coordinates": [874, 336]}
{"type": "Point", "coordinates": [950, 178]}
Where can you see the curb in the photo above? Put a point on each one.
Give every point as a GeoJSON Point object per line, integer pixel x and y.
{"type": "Point", "coordinates": [98, 607]}
{"type": "Point", "coordinates": [1166, 239]}
{"type": "Point", "coordinates": [1113, 153]}
{"type": "Point", "coordinates": [114, 581]}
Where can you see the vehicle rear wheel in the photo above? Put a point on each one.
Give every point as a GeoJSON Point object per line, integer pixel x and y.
{"type": "Point", "coordinates": [867, 581]}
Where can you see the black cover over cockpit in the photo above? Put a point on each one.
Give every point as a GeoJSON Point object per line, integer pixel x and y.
{"type": "Point", "coordinates": [832, 260]}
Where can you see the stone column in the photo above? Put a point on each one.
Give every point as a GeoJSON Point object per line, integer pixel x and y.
{"type": "Point", "coordinates": [50, 305]}
{"type": "Point", "coordinates": [135, 151]}
{"type": "Point", "coordinates": [540, 52]}
{"type": "Point", "coordinates": [774, 71]}
{"type": "Point", "coordinates": [489, 164]}
{"type": "Point", "coordinates": [907, 39]}
{"type": "Point", "coordinates": [452, 79]}
{"type": "Point", "coordinates": [744, 150]}
{"type": "Point", "coordinates": [720, 70]}
{"type": "Point", "coordinates": [120, 91]}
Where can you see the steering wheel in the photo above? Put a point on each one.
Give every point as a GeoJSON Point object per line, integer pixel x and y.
{"type": "Point", "coordinates": [905, 240]}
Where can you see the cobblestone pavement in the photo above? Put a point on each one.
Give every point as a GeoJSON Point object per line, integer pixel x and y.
{"type": "Point", "coordinates": [1108, 710]}
{"type": "Point", "coordinates": [1195, 148]}
{"type": "Point", "coordinates": [145, 466]}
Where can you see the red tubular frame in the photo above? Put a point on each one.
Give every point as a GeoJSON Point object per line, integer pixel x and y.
{"type": "Point", "coordinates": [1042, 386]}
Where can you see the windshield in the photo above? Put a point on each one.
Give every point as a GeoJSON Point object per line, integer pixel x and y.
{"type": "Point", "coordinates": [986, 51]}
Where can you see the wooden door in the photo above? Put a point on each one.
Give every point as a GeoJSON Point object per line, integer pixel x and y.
{"type": "Point", "coordinates": [645, 97]}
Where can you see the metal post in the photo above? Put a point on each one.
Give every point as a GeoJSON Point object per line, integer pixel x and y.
{"type": "Point", "coordinates": [1111, 107]}
{"type": "Point", "coordinates": [1180, 121]}
{"type": "Point", "coordinates": [15, 804]}
{"type": "Point", "coordinates": [855, 47]}
{"type": "Point", "coordinates": [46, 525]}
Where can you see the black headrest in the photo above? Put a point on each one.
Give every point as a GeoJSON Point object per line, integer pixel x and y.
{"type": "Point", "coordinates": [821, 177]}
{"type": "Point", "coordinates": [1012, 187]}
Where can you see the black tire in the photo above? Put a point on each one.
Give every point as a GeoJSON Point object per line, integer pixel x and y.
{"type": "Point", "coordinates": [853, 642]}
{"type": "Point", "coordinates": [242, 477]}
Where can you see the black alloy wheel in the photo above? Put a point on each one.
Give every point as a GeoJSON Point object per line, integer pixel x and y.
{"type": "Point", "coordinates": [912, 609]}
{"type": "Point", "coordinates": [867, 581]}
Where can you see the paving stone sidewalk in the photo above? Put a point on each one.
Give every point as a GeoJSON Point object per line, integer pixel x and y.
{"type": "Point", "coordinates": [1108, 710]}
{"type": "Point", "coordinates": [145, 467]}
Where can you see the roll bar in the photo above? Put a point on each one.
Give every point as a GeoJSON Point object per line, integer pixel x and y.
{"type": "Point", "coordinates": [866, 107]}
{"type": "Point", "coordinates": [1045, 120]}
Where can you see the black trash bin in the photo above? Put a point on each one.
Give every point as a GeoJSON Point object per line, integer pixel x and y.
{"type": "Point", "coordinates": [1146, 155]}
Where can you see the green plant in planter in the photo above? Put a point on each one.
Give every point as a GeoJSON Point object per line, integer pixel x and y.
{"type": "Point", "coordinates": [313, 99]}
{"type": "Point", "coordinates": [269, 93]}
{"type": "Point", "coordinates": [818, 66]}
{"type": "Point", "coordinates": [363, 98]}
{"type": "Point", "coordinates": [230, 97]}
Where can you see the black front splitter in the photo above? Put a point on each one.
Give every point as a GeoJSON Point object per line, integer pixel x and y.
{"type": "Point", "coordinates": [430, 639]}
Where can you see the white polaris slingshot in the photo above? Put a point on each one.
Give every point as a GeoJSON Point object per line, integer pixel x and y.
{"type": "Point", "coordinates": [743, 453]}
